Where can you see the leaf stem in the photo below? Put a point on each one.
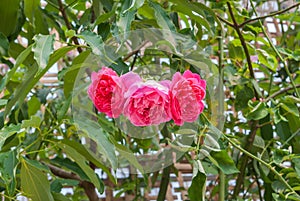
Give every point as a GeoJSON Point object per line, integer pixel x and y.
{"type": "Point", "coordinates": [275, 49]}
{"type": "Point", "coordinates": [281, 92]}
{"type": "Point", "coordinates": [222, 178]}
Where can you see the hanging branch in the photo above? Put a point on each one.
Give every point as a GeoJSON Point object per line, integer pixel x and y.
{"type": "Point", "coordinates": [250, 139]}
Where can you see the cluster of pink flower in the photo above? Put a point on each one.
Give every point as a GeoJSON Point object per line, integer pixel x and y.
{"type": "Point", "coordinates": [150, 102]}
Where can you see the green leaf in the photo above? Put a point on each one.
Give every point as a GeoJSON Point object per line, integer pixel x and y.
{"type": "Point", "coordinates": [71, 165]}
{"type": "Point", "coordinates": [129, 156]}
{"type": "Point", "coordinates": [162, 18]}
{"type": "Point", "coordinates": [283, 130]}
{"type": "Point", "coordinates": [258, 110]}
{"type": "Point", "coordinates": [34, 182]}
{"type": "Point", "coordinates": [236, 51]}
{"type": "Point", "coordinates": [104, 17]}
{"type": "Point", "coordinates": [192, 11]}
{"type": "Point", "coordinates": [64, 109]}
{"type": "Point", "coordinates": [80, 160]}
{"type": "Point", "coordinates": [43, 48]}
{"type": "Point", "coordinates": [94, 41]}
{"type": "Point", "coordinates": [20, 59]}
{"type": "Point", "coordinates": [32, 78]}
{"type": "Point", "coordinates": [33, 105]}
{"type": "Point", "coordinates": [8, 163]}
{"type": "Point", "coordinates": [30, 7]}
{"type": "Point", "coordinates": [89, 156]}
{"type": "Point", "coordinates": [6, 132]}
{"type": "Point", "coordinates": [243, 95]}
{"type": "Point", "coordinates": [196, 191]}
{"type": "Point", "coordinates": [211, 143]}
{"type": "Point", "coordinates": [9, 16]}
{"type": "Point", "coordinates": [33, 122]}
{"type": "Point", "coordinates": [3, 102]}
{"type": "Point", "coordinates": [4, 45]}
{"type": "Point", "coordinates": [57, 184]}
{"type": "Point", "coordinates": [71, 74]}
{"type": "Point", "coordinates": [259, 142]}
{"type": "Point", "coordinates": [126, 17]}
{"type": "Point", "coordinates": [186, 131]}
{"type": "Point", "coordinates": [222, 160]}
{"type": "Point", "coordinates": [104, 145]}
{"type": "Point", "coordinates": [290, 107]}
{"type": "Point", "coordinates": [268, 60]}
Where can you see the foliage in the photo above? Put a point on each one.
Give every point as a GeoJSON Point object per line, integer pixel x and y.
{"type": "Point", "coordinates": [43, 150]}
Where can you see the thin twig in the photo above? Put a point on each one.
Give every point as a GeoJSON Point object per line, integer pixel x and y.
{"type": "Point", "coordinates": [225, 21]}
{"type": "Point", "coordinates": [243, 42]}
{"type": "Point", "coordinates": [270, 15]}
{"type": "Point", "coordinates": [281, 92]}
{"type": "Point", "coordinates": [135, 51]}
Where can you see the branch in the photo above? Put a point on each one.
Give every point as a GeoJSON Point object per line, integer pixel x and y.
{"type": "Point", "coordinates": [243, 42]}
{"type": "Point", "coordinates": [135, 51]}
{"type": "Point", "coordinates": [225, 21]}
{"type": "Point", "coordinates": [281, 92]}
{"type": "Point", "coordinates": [250, 138]}
{"type": "Point", "coordinates": [270, 15]}
{"type": "Point", "coordinates": [62, 9]}
{"type": "Point", "coordinates": [88, 187]}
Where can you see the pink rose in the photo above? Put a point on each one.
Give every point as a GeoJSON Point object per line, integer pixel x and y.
{"type": "Point", "coordinates": [107, 90]}
{"type": "Point", "coordinates": [186, 94]}
{"type": "Point", "coordinates": [123, 84]}
{"type": "Point", "coordinates": [102, 88]}
{"type": "Point", "coordinates": [147, 103]}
